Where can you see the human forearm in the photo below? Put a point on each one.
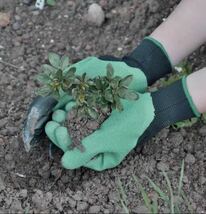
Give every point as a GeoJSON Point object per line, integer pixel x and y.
{"type": "Point", "coordinates": [197, 88]}
{"type": "Point", "coordinates": [184, 30]}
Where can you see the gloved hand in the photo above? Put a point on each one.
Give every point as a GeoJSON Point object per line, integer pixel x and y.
{"type": "Point", "coordinates": [121, 132]}
{"type": "Point", "coordinates": [109, 145]}
{"type": "Point", "coordinates": [147, 63]}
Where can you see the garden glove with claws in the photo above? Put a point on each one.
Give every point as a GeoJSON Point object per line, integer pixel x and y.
{"type": "Point", "coordinates": [147, 63]}
{"type": "Point", "coordinates": [122, 131]}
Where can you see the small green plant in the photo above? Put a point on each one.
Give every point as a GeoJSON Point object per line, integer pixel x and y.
{"type": "Point", "coordinates": [173, 200]}
{"type": "Point", "coordinates": [56, 77]}
{"type": "Point", "coordinates": [91, 95]}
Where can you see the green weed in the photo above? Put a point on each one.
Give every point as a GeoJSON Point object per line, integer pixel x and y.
{"type": "Point", "coordinates": [171, 199]}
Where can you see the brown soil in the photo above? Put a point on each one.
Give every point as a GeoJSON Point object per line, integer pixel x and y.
{"type": "Point", "coordinates": [31, 182]}
{"type": "Point", "coordinates": [80, 127]}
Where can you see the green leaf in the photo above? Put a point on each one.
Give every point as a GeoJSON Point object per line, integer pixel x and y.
{"type": "Point", "coordinates": [83, 76]}
{"type": "Point", "coordinates": [122, 91]}
{"type": "Point", "coordinates": [61, 92]}
{"type": "Point", "coordinates": [43, 78]}
{"type": "Point", "coordinates": [51, 2]}
{"type": "Point", "coordinates": [110, 71]}
{"type": "Point", "coordinates": [74, 93]}
{"type": "Point", "coordinates": [64, 62]}
{"type": "Point", "coordinates": [146, 199]}
{"type": "Point", "coordinates": [92, 113]}
{"type": "Point", "coordinates": [162, 195]}
{"type": "Point", "coordinates": [44, 91]}
{"type": "Point", "coordinates": [70, 73]}
{"type": "Point", "coordinates": [114, 83]}
{"type": "Point", "coordinates": [118, 104]}
{"type": "Point", "coordinates": [185, 123]}
{"type": "Point", "coordinates": [48, 69]}
{"type": "Point", "coordinates": [129, 95]}
{"type": "Point", "coordinates": [181, 178]}
{"type": "Point", "coordinates": [126, 81]}
{"type": "Point", "coordinates": [154, 205]}
{"type": "Point", "coordinates": [54, 60]}
{"type": "Point", "coordinates": [122, 196]}
{"type": "Point", "coordinates": [59, 75]}
{"type": "Point", "coordinates": [98, 83]}
{"type": "Point", "coordinates": [171, 192]}
{"type": "Point", "coordinates": [108, 96]}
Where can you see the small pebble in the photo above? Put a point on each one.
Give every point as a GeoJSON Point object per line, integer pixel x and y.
{"type": "Point", "coordinates": [162, 166]}
{"type": "Point", "coordinates": [95, 14]}
{"type": "Point", "coordinates": [16, 26]}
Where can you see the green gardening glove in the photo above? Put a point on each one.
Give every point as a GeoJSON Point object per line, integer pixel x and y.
{"type": "Point", "coordinates": [113, 126]}
{"type": "Point", "coordinates": [120, 133]}
{"type": "Point", "coordinates": [147, 63]}
{"type": "Point", "coordinates": [109, 145]}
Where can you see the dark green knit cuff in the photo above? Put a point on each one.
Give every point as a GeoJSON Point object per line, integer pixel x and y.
{"type": "Point", "coordinates": [160, 46]}
{"type": "Point", "coordinates": [151, 57]}
{"type": "Point", "coordinates": [192, 105]}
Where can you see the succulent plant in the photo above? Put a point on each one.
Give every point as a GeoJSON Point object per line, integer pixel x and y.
{"type": "Point", "coordinates": [92, 95]}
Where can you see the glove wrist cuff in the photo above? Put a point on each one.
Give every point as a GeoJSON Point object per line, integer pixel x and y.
{"type": "Point", "coordinates": [151, 57]}
{"type": "Point", "coordinates": [189, 98]}
{"type": "Point", "coordinates": [172, 104]}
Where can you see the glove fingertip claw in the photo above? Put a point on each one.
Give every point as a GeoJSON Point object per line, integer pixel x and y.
{"type": "Point", "coordinates": [62, 137]}
{"type": "Point", "coordinates": [59, 116]}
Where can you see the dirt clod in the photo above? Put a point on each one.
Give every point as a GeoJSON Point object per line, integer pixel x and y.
{"type": "Point", "coordinates": [190, 159]}
{"type": "Point", "coordinates": [80, 127]}
{"type": "Point", "coordinates": [94, 209]}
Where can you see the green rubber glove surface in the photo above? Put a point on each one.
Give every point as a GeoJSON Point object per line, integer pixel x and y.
{"type": "Point", "coordinates": [96, 67]}
{"type": "Point", "coordinates": [107, 146]}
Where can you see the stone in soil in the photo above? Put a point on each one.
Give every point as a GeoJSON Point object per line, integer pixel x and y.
{"type": "Point", "coordinates": [95, 14]}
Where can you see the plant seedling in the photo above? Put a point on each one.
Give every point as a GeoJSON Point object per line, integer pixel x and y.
{"type": "Point", "coordinates": [94, 98]}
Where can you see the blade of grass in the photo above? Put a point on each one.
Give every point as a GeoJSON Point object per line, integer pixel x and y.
{"type": "Point", "coordinates": [154, 204]}
{"type": "Point", "coordinates": [181, 179]}
{"type": "Point", "coordinates": [157, 189]}
{"type": "Point", "coordinates": [171, 192]}
{"type": "Point", "coordinates": [121, 189]}
{"type": "Point", "coordinates": [146, 199]}
{"type": "Point", "coordinates": [187, 202]}
{"type": "Point", "coordinates": [176, 208]}
{"type": "Point", "coordinates": [122, 196]}
{"type": "Point", "coordinates": [126, 210]}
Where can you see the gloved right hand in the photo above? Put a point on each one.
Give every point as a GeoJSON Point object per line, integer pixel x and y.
{"type": "Point", "coordinates": [147, 63]}
{"type": "Point", "coordinates": [121, 132]}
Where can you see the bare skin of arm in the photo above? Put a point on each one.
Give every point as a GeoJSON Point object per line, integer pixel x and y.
{"type": "Point", "coordinates": [181, 33]}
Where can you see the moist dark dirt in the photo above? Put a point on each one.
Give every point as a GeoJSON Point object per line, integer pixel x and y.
{"type": "Point", "coordinates": [31, 182]}
{"type": "Point", "coordinates": [80, 126]}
